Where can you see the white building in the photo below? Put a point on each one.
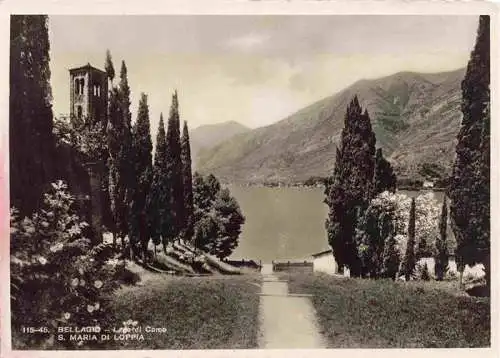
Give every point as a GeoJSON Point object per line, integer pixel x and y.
{"type": "Point", "coordinates": [428, 185]}
{"type": "Point", "coordinates": [325, 262]}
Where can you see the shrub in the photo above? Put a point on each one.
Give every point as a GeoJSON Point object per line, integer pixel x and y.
{"type": "Point", "coordinates": [451, 276]}
{"type": "Point", "coordinates": [57, 278]}
{"type": "Point", "coordinates": [421, 272]}
{"type": "Point", "coordinates": [425, 276]}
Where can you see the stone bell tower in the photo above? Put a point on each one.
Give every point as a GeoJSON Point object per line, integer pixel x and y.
{"type": "Point", "coordinates": [88, 93]}
{"type": "Point", "coordinates": [89, 101]}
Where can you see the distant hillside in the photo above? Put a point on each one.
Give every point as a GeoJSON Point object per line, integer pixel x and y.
{"type": "Point", "coordinates": [208, 136]}
{"type": "Point", "coordinates": [415, 116]}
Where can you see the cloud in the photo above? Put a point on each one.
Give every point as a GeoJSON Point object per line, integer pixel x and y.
{"type": "Point", "coordinates": [248, 42]}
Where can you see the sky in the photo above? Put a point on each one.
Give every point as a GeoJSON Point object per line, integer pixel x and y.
{"type": "Point", "coordinates": [255, 70]}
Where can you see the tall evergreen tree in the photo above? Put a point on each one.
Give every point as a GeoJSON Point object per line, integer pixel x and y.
{"type": "Point", "coordinates": [142, 176]}
{"type": "Point", "coordinates": [187, 183]}
{"type": "Point", "coordinates": [390, 265]}
{"type": "Point", "coordinates": [469, 186]}
{"type": "Point", "coordinates": [174, 170]}
{"type": "Point", "coordinates": [409, 260]}
{"type": "Point", "coordinates": [31, 141]}
{"type": "Point", "coordinates": [384, 177]}
{"type": "Point", "coordinates": [441, 250]}
{"type": "Point", "coordinates": [115, 131]}
{"type": "Point", "coordinates": [126, 164]}
{"type": "Point", "coordinates": [160, 213]}
{"type": "Point", "coordinates": [351, 186]}
{"type": "Point", "coordinates": [119, 146]}
{"type": "Point", "coordinates": [108, 67]}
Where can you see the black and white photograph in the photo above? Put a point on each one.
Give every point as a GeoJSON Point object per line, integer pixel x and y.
{"type": "Point", "coordinates": [258, 181]}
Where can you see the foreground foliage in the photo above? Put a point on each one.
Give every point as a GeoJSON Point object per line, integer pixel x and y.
{"type": "Point", "coordinates": [57, 277]}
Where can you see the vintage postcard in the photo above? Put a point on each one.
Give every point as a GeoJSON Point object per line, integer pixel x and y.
{"type": "Point", "coordinates": [244, 182]}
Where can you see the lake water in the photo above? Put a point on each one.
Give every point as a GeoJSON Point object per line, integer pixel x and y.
{"type": "Point", "coordinates": [283, 223]}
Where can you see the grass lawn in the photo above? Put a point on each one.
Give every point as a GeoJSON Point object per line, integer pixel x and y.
{"type": "Point", "coordinates": [384, 314]}
{"type": "Point", "coordinates": [219, 312]}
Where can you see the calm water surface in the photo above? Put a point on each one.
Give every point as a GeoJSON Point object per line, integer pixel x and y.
{"type": "Point", "coordinates": [283, 223]}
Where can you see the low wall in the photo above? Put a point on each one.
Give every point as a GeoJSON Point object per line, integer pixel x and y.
{"type": "Point", "coordinates": [248, 264]}
{"type": "Point", "coordinates": [290, 266]}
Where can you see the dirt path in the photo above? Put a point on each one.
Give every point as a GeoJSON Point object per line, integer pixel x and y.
{"type": "Point", "coordinates": [286, 321]}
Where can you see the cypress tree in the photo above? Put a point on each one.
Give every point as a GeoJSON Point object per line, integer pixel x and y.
{"type": "Point", "coordinates": [409, 260]}
{"type": "Point", "coordinates": [32, 144]}
{"type": "Point", "coordinates": [469, 186]}
{"type": "Point", "coordinates": [119, 147]}
{"type": "Point", "coordinates": [187, 181]}
{"type": "Point", "coordinates": [441, 252]}
{"type": "Point", "coordinates": [384, 177]}
{"type": "Point", "coordinates": [108, 67]}
{"type": "Point", "coordinates": [351, 186]}
{"type": "Point", "coordinates": [126, 168]}
{"type": "Point", "coordinates": [141, 181]}
{"type": "Point", "coordinates": [115, 132]}
{"type": "Point", "coordinates": [160, 214]}
{"type": "Point", "coordinates": [390, 264]}
{"type": "Point", "coordinates": [174, 171]}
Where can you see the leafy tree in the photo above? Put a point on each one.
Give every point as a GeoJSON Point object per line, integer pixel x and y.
{"type": "Point", "coordinates": [187, 183]}
{"type": "Point", "coordinates": [409, 260]}
{"type": "Point", "coordinates": [441, 250]}
{"type": "Point", "coordinates": [142, 176]}
{"type": "Point", "coordinates": [469, 187]}
{"type": "Point", "coordinates": [32, 144]}
{"type": "Point", "coordinates": [384, 177]}
{"type": "Point", "coordinates": [218, 218]}
{"type": "Point", "coordinates": [350, 189]}
{"type": "Point", "coordinates": [160, 215]}
{"type": "Point", "coordinates": [174, 171]}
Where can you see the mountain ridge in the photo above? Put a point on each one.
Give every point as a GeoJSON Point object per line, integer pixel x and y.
{"type": "Point", "coordinates": [414, 115]}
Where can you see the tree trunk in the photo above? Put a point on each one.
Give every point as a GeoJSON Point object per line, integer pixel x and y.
{"type": "Point", "coordinates": [114, 240]}
{"type": "Point", "coordinates": [487, 273]}
{"type": "Point", "coordinates": [460, 278]}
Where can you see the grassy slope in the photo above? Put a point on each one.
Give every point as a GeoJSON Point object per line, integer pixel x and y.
{"type": "Point", "coordinates": [199, 313]}
{"type": "Point", "coordinates": [366, 313]}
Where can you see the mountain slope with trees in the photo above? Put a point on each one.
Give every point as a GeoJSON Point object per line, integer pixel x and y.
{"type": "Point", "coordinates": [414, 116]}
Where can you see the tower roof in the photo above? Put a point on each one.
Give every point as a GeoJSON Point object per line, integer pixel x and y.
{"type": "Point", "coordinates": [86, 67]}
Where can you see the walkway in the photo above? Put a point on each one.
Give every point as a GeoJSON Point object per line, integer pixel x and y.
{"type": "Point", "coordinates": [286, 320]}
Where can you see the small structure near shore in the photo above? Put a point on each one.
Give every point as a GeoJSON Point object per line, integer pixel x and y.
{"type": "Point", "coordinates": [324, 261]}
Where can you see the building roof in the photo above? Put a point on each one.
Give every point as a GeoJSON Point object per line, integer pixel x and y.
{"type": "Point", "coordinates": [88, 66]}
{"type": "Point", "coordinates": [329, 251]}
